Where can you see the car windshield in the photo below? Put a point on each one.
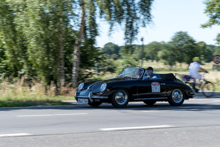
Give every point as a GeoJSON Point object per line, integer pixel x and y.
{"type": "Point", "coordinates": [132, 72]}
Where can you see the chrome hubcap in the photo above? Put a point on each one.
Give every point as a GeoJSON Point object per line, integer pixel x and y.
{"type": "Point", "coordinates": [177, 96]}
{"type": "Point", "coordinates": [121, 97]}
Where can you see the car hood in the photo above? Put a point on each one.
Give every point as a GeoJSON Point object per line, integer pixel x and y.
{"type": "Point", "coordinates": [107, 81]}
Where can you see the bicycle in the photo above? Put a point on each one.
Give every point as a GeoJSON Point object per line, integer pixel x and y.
{"type": "Point", "coordinates": [207, 87]}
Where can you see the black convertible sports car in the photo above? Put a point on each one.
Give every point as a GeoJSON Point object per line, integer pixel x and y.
{"type": "Point", "coordinates": [135, 84]}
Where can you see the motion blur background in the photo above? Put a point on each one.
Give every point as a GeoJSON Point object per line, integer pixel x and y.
{"type": "Point", "coordinates": [40, 40]}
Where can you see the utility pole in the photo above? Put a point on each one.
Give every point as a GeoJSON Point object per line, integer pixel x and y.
{"type": "Point", "coordinates": [96, 66]}
{"type": "Point", "coordinates": [96, 69]}
{"type": "Point", "coordinates": [142, 56]}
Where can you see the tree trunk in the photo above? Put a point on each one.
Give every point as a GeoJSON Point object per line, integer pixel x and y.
{"type": "Point", "coordinates": [76, 53]}
{"type": "Point", "coordinates": [61, 72]}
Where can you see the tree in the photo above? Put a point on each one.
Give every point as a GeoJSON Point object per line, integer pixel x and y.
{"type": "Point", "coordinates": [185, 47]}
{"type": "Point", "coordinates": [212, 11]}
{"type": "Point", "coordinates": [217, 52]}
{"type": "Point", "coordinates": [205, 52]}
{"type": "Point", "coordinates": [15, 47]}
{"type": "Point", "coordinates": [110, 49]}
{"type": "Point", "coordinates": [131, 13]}
{"type": "Point", "coordinates": [137, 52]}
{"type": "Point", "coordinates": [3, 62]}
{"type": "Point", "coordinates": [167, 54]}
{"type": "Point", "coordinates": [152, 50]}
{"type": "Point", "coordinates": [39, 30]}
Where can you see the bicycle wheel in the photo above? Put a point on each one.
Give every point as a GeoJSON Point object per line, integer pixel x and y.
{"type": "Point", "coordinates": [208, 89]}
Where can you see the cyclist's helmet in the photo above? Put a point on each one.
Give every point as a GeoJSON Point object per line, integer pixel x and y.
{"type": "Point", "coordinates": [196, 59]}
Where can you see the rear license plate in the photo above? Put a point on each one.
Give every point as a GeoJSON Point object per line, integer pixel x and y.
{"type": "Point", "coordinates": [84, 101]}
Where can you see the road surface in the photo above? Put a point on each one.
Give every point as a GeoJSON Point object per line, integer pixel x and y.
{"type": "Point", "coordinates": [195, 123]}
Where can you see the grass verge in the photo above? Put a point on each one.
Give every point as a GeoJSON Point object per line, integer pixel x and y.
{"type": "Point", "coordinates": [217, 88]}
{"type": "Point", "coordinates": [33, 101]}
{"type": "Point", "coordinates": [20, 93]}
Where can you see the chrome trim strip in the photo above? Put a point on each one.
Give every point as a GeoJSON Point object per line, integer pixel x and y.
{"type": "Point", "coordinates": [159, 98]}
{"type": "Point", "coordinates": [99, 97]}
{"type": "Point", "coordinates": [193, 93]}
{"type": "Point", "coordinates": [94, 97]}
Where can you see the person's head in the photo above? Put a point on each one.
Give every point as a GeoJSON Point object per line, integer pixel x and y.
{"type": "Point", "coordinates": [196, 59]}
{"type": "Point", "coordinates": [150, 71]}
{"type": "Point", "coordinates": [138, 72]}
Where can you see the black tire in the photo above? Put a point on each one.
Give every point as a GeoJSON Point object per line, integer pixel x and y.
{"type": "Point", "coordinates": [120, 98]}
{"type": "Point", "coordinates": [95, 104]}
{"type": "Point", "coordinates": [208, 86]}
{"type": "Point", "coordinates": [176, 98]}
{"type": "Point", "coordinates": [150, 102]}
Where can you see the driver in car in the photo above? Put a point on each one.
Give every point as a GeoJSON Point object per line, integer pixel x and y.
{"type": "Point", "coordinates": [138, 73]}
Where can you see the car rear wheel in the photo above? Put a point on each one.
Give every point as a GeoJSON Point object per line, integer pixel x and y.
{"type": "Point", "coordinates": [176, 98]}
{"type": "Point", "coordinates": [120, 98]}
{"type": "Point", "coordinates": [150, 102]}
{"type": "Point", "coordinates": [95, 104]}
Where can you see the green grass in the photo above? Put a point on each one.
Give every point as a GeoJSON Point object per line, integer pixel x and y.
{"type": "Point", "coordinates": [33, 101]}
{"type": "Point", "coordinates": [217, 88]}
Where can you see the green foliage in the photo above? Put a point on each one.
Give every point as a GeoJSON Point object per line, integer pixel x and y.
{"type": "Point", "coordinates": [90, 56]}
{"type": "Point", "coordinates": [212, 11]}
{"type": "Point", "coordinates": [3, 62]}
{"type": "Point", "coordinates": [204, 51]}
{"type": "Point", "coordinates": [182, 48]}
{"type": "Point", "coordinates": [112, 50]}
{"type": "Point", "coordinates": [128, 60]}
{"type": "Point", "coordinates": [217, 52]}
{"type": "Point", "coordinates": [132, 14]}
{"type": "Point", "coordinates": [108, 65]}
{"type": "Point", "coordinates": [185, 47]}
{"type": "Point", "coordinates": [152, 50]}
{"type": "Point", "coordinates": [30, 39]}
{"type": "Point", "coordinates": [167, 55]}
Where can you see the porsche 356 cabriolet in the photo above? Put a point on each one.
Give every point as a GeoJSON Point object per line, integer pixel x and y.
{"type": "Point", "coordinates": [135, 84]}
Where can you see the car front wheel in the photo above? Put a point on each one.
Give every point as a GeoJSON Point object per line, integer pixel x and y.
{"type": "Point", "coordinates": [120, 98]}
{"type": "Point", "coordinates": [176, 98]}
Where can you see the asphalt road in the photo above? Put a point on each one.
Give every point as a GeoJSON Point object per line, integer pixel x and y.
{"type": "Point", "coordinates": [195, 123]}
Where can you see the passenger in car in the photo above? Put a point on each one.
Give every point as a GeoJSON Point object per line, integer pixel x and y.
{"type": "Point", "coordinates": [150, 71]}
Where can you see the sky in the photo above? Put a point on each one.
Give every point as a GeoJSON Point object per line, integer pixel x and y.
{"type": "Point", "coordinates": [169, 17]}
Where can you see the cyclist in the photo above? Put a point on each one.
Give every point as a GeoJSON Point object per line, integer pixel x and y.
{"type": "Point", "coordinates": [194, 68]}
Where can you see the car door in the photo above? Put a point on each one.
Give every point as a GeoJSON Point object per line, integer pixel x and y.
{"type": "Point", "coordinates": [151, 88]}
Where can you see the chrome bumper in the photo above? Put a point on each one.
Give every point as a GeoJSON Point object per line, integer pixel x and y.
{"type": "Point", "coordinates": [90, 96]}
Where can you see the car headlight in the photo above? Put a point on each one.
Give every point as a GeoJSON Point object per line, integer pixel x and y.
{"type": "Point", "coordinates": [103, 87]}
{"type": "Point", "coordinates": [80, 87]}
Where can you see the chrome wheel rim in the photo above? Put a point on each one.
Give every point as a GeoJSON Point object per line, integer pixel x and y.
{"type": "Point", "coordinates": [177, 96]}
{"type": "Point", "coordinates": [121, 97]}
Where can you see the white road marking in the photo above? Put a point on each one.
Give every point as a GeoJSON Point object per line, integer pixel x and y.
{"type": "Point", "coordinates": [150, 111]}
{"type": "Point", "coordinates": [17, 134]}
{"type": "Point", "coordinates": [135, 128]}
{"type": "Point", "coordinates": [51, 115]}
{"type": "Point", "coordinates": [204, 99]}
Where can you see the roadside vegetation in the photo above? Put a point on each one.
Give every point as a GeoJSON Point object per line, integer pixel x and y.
{"type": "Point", "coordinates": [47, 47]}
{"type": "Point", "coordinates": [19, 92]}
